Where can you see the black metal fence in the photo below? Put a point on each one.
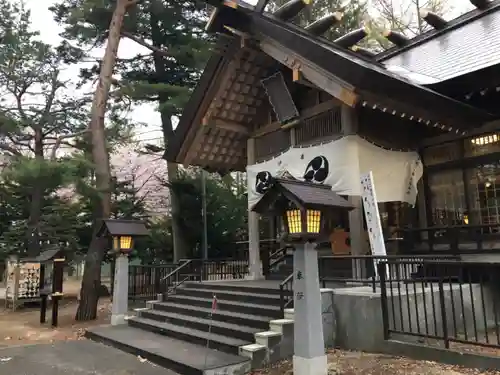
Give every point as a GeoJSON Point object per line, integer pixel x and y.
{"type": "Point", "coordinates": [359, 270]}
{"type": "Point", "coordinates": [454, 239]}
{"type": "Point", "coordinates": [145, 282]}
{"type": "Point", "coordinates": [441, 302]}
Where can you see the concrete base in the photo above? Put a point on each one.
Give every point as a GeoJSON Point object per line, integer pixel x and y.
{"type": "Point", "coordinates": [256, 353]}
{"type": "Point", "coordinates": [119, 308]}
{"type": "Point", "coordinates": [310, 366]}
{"type": "Point", "coordinates": [118, 319]}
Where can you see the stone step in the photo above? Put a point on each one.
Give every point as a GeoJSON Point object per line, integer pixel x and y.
{"type": "Point", "coordinates": [180, 356]}
{"type": "Point", "coordinates": [224, 305]}
{"type": "Point", "coordinates": [232, 295]}
{"type": "Point", "coordinates": [223, 343]}
{"type": "Point", "coordinates": [237, 331]}
{"type": "Point", "coordinates": [249, 320]}
{"type": "Point", "coordinates": [238, 286]}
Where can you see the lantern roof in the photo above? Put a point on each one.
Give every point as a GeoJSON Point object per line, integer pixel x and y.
{"type": "Point", "coordinates": [45, 256]}
{"type": "Point", "coordinates": [303, 194]}
{"type": "Point", "coordinates": [122, 227]}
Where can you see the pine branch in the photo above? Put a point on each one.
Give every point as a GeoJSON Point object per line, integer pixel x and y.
{"type": "Point", "coordinates": [60, 139]}
{"type": "Point", "coordinates": [8, 148]}
{"type": "Point", "coordinates": [157, 50]}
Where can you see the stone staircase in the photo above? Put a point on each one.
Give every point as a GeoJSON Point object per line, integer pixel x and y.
{"type": "Point", "coordinates": [179, 333]}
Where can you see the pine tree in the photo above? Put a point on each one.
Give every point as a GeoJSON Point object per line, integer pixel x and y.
{"type": "Point", "coordinates": [173, 32]}
{"type": "Point", "coordinates": [37, 115]}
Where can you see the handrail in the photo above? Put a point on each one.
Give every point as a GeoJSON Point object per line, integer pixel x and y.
{"type": "Point", "coordinates": [274, 262]}
{"type": "Point", "coordinates": [171, 288]}
{"type": "Point", "coordinates": [188, 261]}
{"type": "Point", "coordinates": [283, 284]}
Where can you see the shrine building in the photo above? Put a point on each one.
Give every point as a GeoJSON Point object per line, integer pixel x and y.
{"type": "Point", "coordinates": [276, 100]}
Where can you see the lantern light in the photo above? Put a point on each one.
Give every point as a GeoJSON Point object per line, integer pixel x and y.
{"type": "Point", "coordinates": [302, 222]}
{"type": "Point", "coordinates": [122, 243]}
{"type": "Point", "coordinates": [294, 220]}
{"type": "Point", "coordinates": [313, 221]}
{"type": "Point", "coordinates": [122, 233]}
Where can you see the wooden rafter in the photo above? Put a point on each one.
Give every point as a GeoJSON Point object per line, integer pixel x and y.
{"type": "Point", "coordinates": [227, 125]}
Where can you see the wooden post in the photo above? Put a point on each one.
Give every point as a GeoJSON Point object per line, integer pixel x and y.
{"type": "Point", "coordinates": [253, 226]}
{"type": "Point", "coordinates": [356, 229]}
{"type": "Point", "coordinates": [43, 295]}
{"type": "Point", "coordinates": [17, 275]}
{"type": "Point", "coordinates": [57, 288]}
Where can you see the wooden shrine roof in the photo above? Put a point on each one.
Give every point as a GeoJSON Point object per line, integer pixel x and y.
{"type": "Point", "coordinates": [229, 100]}
{"type": "Point", "coordinates": [305, 194]}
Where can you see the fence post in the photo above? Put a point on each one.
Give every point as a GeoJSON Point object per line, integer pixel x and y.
{"type": "Point", "coordinates": [444, 321]}
{"type": "Point", "coordinates": [157, 278]}
{"type": "Point", "coordinates": [282, 301]}
{"type": "Point", "coordinates": [382, 273]}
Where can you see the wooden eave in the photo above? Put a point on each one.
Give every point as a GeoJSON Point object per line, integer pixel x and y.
{"type": "Point", "coordinates": [233, 104]}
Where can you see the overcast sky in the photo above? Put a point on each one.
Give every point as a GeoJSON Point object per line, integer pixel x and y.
{"type": "Point", "coordinates": [43, 22]}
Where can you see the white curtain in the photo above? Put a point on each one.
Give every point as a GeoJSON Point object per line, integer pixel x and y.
{"type": "Point", "coordinates": [340, 164]}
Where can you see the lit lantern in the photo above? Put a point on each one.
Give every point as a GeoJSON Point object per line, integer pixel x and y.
{"type": "Point", "coordinates": [303, 222]}
{"type": "Point", "coordinates": [122, 244]}
{"type": "Point", "coordinates": [306, 207]}
{"type": "Point", "coordinates": [122, 233]}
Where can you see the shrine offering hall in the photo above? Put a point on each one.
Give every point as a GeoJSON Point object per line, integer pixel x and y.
{"type": "Point", "coordinates": [281, 101]}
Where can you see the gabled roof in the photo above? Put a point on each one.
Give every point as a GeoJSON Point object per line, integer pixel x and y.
{"type": "Point", "coordinates": [365, 75]}
{"type": "Point", "coordinates": [469, 43]}
{"type": "Point", "coordinates": [304, 194]}
{"type": "Point", "coordinates": [388, 88]}
{"type": "Point", "coordinates": [315, 194]}
{"type": "Point", "coordinates": [122, 227]}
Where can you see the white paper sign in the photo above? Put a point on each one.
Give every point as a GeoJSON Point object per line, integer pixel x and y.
{"type": "Point", "coordinates": [372, 216]}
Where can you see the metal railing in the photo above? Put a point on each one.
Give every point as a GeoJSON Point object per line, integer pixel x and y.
{"type": "Point", "coordinates": [277, 257]}
{"type": "Point", "coordinates": [442, 302]}
{"type": "Point", "coordinates": [360, 269]}
{"type": "Point", "coordinates": [341, 270]}
{"type": "Point", "coordinates": [186, 271]}
{"type": "Point", "coordinates": [286, 293]}
{"type": "Point", "coordinates": [222, 269]}
{"type": "Point", "coordinates": [144, 282]}
{"type": "Point", "coordinates": [450, 239]}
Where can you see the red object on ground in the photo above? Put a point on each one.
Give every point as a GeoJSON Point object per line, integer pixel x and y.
{"type": "Point", "coordinates": [214, 303]}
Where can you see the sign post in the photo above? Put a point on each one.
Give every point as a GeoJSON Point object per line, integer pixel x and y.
{"type": "Point", "coordinates": [372, 215]}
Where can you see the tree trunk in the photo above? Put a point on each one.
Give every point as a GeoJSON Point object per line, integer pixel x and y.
{"type": "Point", "coordinates": [89, 293]}
{"type": "Point", "coordinates": [179, 243]}
{"type": "Point", "coordinates": [33, 230]}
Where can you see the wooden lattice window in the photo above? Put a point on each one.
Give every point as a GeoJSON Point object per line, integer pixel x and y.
{"type": "Point", "coordinates": [325, 125]}
{"type": "Point", "coordinates": [271, 144]}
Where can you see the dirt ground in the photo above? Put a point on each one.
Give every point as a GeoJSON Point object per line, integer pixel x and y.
{"type": "Point", "coordinates": [23, 325]}
{"type": "Point", "coordinates": [356, 363]}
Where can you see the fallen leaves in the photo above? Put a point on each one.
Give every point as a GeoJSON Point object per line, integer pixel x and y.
{"type": "Point", "coordinates": [342, 362]}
